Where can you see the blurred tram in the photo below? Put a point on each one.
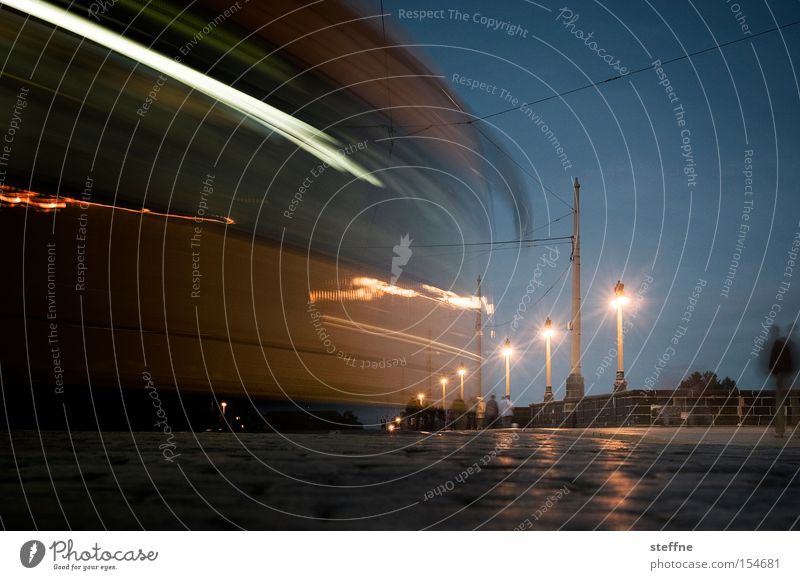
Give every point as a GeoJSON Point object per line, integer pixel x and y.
{"type": "Point", "coordinates": [258, 201]}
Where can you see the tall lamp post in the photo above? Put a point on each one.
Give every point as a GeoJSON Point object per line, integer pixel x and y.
{"type": "Point", "coordinates": [619, 301]}
{"type": "Point", "coordinates": [461, 372]}
{"type": "Point", "coordinates": [507, 353]}
{"type": "Point", "coordinates": [548, 388]}
{"type": "Point", "coordinates": [444, 405]}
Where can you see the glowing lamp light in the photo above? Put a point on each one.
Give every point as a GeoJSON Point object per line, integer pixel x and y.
{"type": "Point", "coordinates": [397, 420]}
{"type": "Point", "coordinates": [462, 371]}
{"type": "Point", "coordinates": [620, 298]}
{"type": "Point", "coordinates": [507, 352]}
{"type": "Point", "coordinates": [443, 381]}
{"type": "Point", "coordinates": [548, 329]}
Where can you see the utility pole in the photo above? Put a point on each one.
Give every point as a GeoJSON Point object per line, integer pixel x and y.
{"type": "Point", "coordinates": [575, 378]}
{"type": "Point", "coordinates": [478, 334]}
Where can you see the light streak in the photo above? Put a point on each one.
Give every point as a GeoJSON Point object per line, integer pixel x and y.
{"type": "Point", "coordinates": [13, 197]}
{"type": "Point", "coordinates": [322, 146]}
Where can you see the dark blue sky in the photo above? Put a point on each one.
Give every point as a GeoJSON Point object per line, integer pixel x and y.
{"type": "Point", "coordinates": [643, 217]}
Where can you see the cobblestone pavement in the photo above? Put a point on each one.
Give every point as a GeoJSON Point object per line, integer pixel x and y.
{"type": "Point", "coordinates": [503, 480]}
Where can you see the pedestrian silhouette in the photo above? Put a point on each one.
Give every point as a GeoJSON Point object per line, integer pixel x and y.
{"type": "Point", "coordinates": [506, 411]}
{"type": "Point", "coordinates": [459, 409]}
{"type": "Point", "coordinates": [782, 367]}
{"type": "Point", "coordinates": [480, 414]}
{"type": "Point", "coordinates": [472, 414]}
{"type": "Point", "coordinates": [492, 411]}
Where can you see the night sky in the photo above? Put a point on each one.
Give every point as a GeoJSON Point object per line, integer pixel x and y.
{"type": "Point", "coordinates": [664, 158]}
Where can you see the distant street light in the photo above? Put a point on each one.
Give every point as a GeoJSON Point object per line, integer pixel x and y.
{"type": "Point", "coordinates": [548, 388]}
{"type": "Point", "coordinates": [461, 372]}
{"type": "Point", "coordinates": [619, 301]}
{"type": "Point", "coordinates": [421, 397]}
{"type": "Point", "coordinates": [444, 392]}
{"type": "Point", "coordinates": [224, 406]}
{"type": "Point", "coordinates": [507, 353]}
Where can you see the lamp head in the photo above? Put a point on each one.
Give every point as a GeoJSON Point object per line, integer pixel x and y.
{"type": "Point", "coordinates": [619, 292]}
{"type": "Point", "coordinates": [548, 328]}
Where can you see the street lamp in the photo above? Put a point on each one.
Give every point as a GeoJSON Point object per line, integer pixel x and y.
{"type": "Point", "coordinates": [507, 353]}
{"type": "Point", "coordinates": [619, 301]}
{"type": "Point", "coordinates": [444, 387]}
{"type": "Point", "coordinates": [461, 372]}
{"type": "Point", "coordinates": [548, 388]}
{"type": "Point", "coordinates": [224, 406]}
{"type": "Point", "coordinates": [421, 397]}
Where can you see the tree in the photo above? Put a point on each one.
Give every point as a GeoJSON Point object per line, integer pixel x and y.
{"type": "Point", "coordinates": [701, 383]}
{"type": "Point", "coordinates": [350, 418]}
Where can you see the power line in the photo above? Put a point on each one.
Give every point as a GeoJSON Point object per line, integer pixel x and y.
{"type": "Point", "coordinates": [614, 78]}
{"type": "Point", "coordinates": [468, 244]}
{"type": "Point", "coordinates": [581, 88]}
{"type": "Point", "coordinates": [587, 86]}
{"type": "Point", "coordinates": [551, 222]}
{"type": "Point", "coordinates": [480, 251]}
{"type": "Point", "coordinates": [523, 169]}
{"type": "Point", "coordinates": [542, 297]}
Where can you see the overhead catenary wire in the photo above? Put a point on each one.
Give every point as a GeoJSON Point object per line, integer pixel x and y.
{"type": "Point", "coordinates": [473, 252]}
{"type": "Point", "coordinates": [561, 94]}
{"type": "Point", "coordinates": [634, 72]}
{"type": "Point", "coordinates": [523, 169]}
{"type": "Point", "coordinates": [469, 244]}
{"type": "Point", "coordinates": [542, 297]}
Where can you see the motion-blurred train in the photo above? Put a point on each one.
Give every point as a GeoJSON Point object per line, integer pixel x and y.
{"type": "Point", "coordinates": [233, 201]}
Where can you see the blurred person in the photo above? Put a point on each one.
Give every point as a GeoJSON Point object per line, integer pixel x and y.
{"type": "Point", "coordinates": [506, 411]}
{"type": "Point", "coordinates": [492, 411]}
{"type": "Point", "coordinates": [782, 366]}
{"type": "Point", "coordinates": [480, 414]}
{"type": "Point", "coordinates": [471, 413]}
{"type": "Point", "coordinates": [459, 408]}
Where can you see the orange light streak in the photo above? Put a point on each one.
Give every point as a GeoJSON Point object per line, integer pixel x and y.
{"type": "Point", "coordinates": [14, 197]}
